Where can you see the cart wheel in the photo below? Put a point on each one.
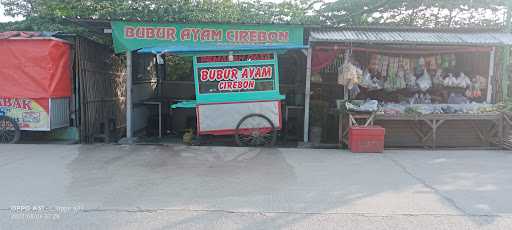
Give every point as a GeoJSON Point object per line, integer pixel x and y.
{"type": "Point", "coordinates": [255, 130]}
{"type": "Point", "coordinates": [9, 130]}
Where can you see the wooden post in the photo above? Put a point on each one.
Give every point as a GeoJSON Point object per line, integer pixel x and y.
{"type": "Point", "coordinates": [307, 94]}
{"type": "Point", "coordinates": [491, 75]}
{"type": "Point", "coordinates": [129, 108]}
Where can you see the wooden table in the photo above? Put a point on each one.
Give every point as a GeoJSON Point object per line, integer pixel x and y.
{"type": "Point", "coordinates": [434, 121]}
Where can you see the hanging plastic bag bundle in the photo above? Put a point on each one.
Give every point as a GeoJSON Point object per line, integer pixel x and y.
{"type": "Point", "coordinates": [438, 78]}
{"type": "Point", "coordinates": [463, 81]}
{"type": "Point", "coordinates": [377, 84]}
{"type": "Point", "coordinates": [374, 63]}
{"type": "Point", "coordinates": [453, 60]}
{"type": "Point", "coordinates": [349, 75]}
{"type": "Point", "coordinates": [392, 82]}
{"type": "Point", "coordinates": [430, 62]}
{"type": "Point", "coordinates": [366, 82]}
{"type": "Point", "coordinates": [474, 90]}
{"type": "Point", "coordinates": [345, 73]}
{"type": "Point", "coordinates": [420, 66]}
{"type": "Point", "coordinates": [405, 62]}
{"type": "Point", "coordinates": [410, 80]}
{"type": "Point", "coordinates": [439, 61]}
{"type": "Point", "coordinates": [424, 82]}
{"type": "Point", "coordinates": [384, 66]}
{"type": "Point", "coordinates": [445, 61]}
{"type": "Point", "coordinates": [482, 81]}
{"type": "Point", "coordinates": [401, 84]}
{"type": "Point", "coordinates": [450, 81]}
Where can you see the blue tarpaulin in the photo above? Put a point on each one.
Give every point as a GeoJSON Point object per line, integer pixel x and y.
{"type": "Point", "coordinates": [216, 48]}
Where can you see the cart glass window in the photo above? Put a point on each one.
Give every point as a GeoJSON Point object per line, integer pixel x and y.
{"type": "Point", "coordinates": [232, 77]}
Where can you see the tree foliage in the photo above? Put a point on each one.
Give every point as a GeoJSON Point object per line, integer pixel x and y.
{"type": "Point", "coordinates": [39, 13]}
{"type": "Point", "coordinates": [426, 13]}
{"type": "Point", "coordinates": [50, 14]}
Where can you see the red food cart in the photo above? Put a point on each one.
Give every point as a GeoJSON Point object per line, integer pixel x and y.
{"type": "Point", "coordinates": [35, 89]}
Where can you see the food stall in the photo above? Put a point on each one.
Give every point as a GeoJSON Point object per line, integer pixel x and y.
{"type": "Point", "coordinates": [433, 88]}
{"type": "Point", "coordinates": [35, 92]}
{"type": "Point", "coordinates": [235, 72]}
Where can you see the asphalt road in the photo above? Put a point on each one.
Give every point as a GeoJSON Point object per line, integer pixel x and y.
{"type": "Point", "coordinates": [180, 187]}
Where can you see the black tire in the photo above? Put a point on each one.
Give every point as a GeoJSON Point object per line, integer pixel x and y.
{"type": "Point", "coordinates": [267, 139]}
{"type": "Point", "coordinates": [9, 130]}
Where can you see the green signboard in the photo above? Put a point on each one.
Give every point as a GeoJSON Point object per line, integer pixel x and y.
{"type": "Point", "coordinates": [243, 78]}
{"type": "Point", "coordinates": [130, 36]}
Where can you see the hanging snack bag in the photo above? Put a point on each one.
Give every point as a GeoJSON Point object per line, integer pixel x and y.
{"type": "Point", "coordinates": [420, 66]}
{"type": "Point", "coordinates": [378, 84]}
{"type": "Point", "coordinates": [388, 84]}
{"type": "Point", "coordinates": [421, 62]}
{"type": "Point", "coordinates": [342, 75]}
{"type": "Point", "coordinates": [438, 78]}
{"type": "Point", "coordinates": [410, 79]}
{"type": "Point", "coordinates": [430, 62]}
{"type": "Point", "coordinates": [391, 82]}
{"type": "Point", "coordinates": [453, 60]}
{"type": "Point", "coordinates": [463, 81]}
{"type": "Point", "coordinates": [445, 61]}
{"type": "Point", "coordinates": [439, 61]}
{"type": "Point", "coordinates": [424, 82]}
{"type": "Point", "coordinates": [406, 65]}
{"type": "Point", "coordinates": [401, 84]}
{"type": "Point", "coordinates": [374, 63]}
{"type": "Point", "coordinates": [482, 81]}
{"type": "Point", "coordinates": [380, 64]}
{"type": "Point", "coordinates": [384, 64]}
{"type": "Point", "coordinates": [450, 81]}
{"type": "Point", "coordinates": [350, 75]}
{"type": "Point", "coordinates": [474, 90]}
{"type": "Point", "coordinates": [366, 82]}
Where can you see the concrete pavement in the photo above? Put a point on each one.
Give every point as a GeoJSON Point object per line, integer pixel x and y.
{"type": "Point", "coordinates": [182, 187]}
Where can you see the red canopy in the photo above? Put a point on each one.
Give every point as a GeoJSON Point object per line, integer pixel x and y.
{"type": "Point", "coordinates": [35, 68]}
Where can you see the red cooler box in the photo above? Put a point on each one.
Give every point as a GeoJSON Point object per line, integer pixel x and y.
{"type": "Point", "coordinates": [366, 139]}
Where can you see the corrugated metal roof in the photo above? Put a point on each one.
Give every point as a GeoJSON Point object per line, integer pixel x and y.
{"type": "Point", "coordinates": [411, 37]}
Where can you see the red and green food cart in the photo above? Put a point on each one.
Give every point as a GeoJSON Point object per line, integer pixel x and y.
{"type": "Point", "coordinates": [235, 71]}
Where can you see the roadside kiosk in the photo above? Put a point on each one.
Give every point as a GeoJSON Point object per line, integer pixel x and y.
{"type": "Point", "coordinates": [235, 72]}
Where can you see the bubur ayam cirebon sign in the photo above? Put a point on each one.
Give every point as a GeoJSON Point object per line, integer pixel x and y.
{"type": "Point", "coordinates": [251, 77]}
{"type": "Point", "coordinates": [130, 36]}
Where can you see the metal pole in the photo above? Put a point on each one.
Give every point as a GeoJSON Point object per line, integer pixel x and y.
{"type": "Point", "coordinates": [506, 53]}
{"type": "Point", "coordinates": [307, 94]}
{"type": "Point", "coordinates": [491, 75]}
{"type": "Point", "coordinates": [129, 108]}
{"type": "Point", "coordinates": [160, 120]}
{"type": "Point", "coordinates": [346, 59]}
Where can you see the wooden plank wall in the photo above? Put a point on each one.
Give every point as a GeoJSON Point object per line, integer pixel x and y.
{"type": "Point", "coordinates": [101, 86]}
